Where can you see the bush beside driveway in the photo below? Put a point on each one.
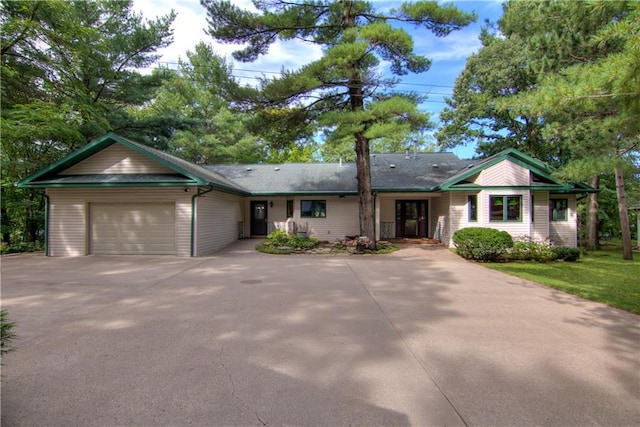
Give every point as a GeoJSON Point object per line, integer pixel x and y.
{"type": "Point", "coordinates": [418, 337]}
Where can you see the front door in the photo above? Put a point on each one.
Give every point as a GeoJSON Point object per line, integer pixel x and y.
{"type": "Point", "coordinates": [411, 218]}
{"type": "Point", "coordinates": [258, 218]}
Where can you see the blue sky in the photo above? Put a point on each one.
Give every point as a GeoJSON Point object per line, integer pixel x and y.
{"type": "Point", "coordinates": [448, 54]}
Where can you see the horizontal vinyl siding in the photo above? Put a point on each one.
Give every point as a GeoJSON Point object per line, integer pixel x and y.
{"type": "Point", "coordinates": [564, 233]}
{"type": "Point", "coordinates": [458, 213]}
{"type": "Point", "coordinates": [67, 227]}
{"type": "Point", "coordinates": [505, 173]}
{"type": "Point", "coordinates": [69, 215]}
{"type": "Point", "coordinates": [217, 218]}
{"type": "Point", "coordinates": [117, 159]}
{"type": "Point", "coordinates": [540, 226]}
{"type": "Point", "coordinates": [342, 218]}
{"type": "Point", "coordinates": [515, 228]}
{"type": "Point", "coordinates": [439, 207]}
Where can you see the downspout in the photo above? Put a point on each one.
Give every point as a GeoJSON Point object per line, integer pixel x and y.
{"type": "Point", "coordinates": [46, 224]}
{"type": "Point", "coordinates": [193, 216]}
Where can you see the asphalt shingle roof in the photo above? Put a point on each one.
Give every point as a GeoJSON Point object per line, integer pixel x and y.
{"type": "Point", "coordinates": [424, 171]}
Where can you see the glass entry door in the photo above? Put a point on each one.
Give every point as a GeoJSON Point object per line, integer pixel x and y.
{"type": "Point", "coordinates": [411, 218]}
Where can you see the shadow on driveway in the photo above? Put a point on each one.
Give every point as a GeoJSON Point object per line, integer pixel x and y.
{"type": "Point", "coordinates": [419, 337]}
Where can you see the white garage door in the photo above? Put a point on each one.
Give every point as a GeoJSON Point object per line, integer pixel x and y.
{"type": "Point", "coordinates": [133, 229]}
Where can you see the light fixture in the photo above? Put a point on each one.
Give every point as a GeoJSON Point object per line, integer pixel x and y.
{"type": "Point", "coordinates": [186, 190]}
{"type": "Point", "coordinates": [270, 204]}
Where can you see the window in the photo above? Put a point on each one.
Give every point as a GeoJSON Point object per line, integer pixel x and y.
{"type": "Point", "coordinates": [313, 208]}
{"type": "Point", "coordinates": [289, 208]}
{"type": "Point", "coordinates": [558, 210]}
{"type": "Point", "coordinates": [472, 203]}
{"type": "Point", "coordinates": [505, 208]}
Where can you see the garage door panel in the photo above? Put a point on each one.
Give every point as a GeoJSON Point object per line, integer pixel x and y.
{"type": "Point", "coordinates": [132, 229]}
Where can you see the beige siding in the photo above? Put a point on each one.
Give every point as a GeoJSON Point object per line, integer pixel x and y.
{"type": "Point", "coordinates": [387, 218]}
{"type": "Point", "coordinates": [505, 173]}
{"type": "Point", "coordinates": [69, 215]}
{"type": "Point", "coordinates": [217, 221]}
{"type": "Point", "coordinates": [515, 228]}
{"type": "Point", "coordinates": [341, 220]}
{"type": "Point", "coordinates": [441, 214]}
{"type": "Point", "coordinates": [117, 159]}
{"type": "Point", "coordinates": [540, 226]}
{"type": "Point", "coordinates": [564, 233]}
{"type": "Point", "coordinates": [458, 213]}
{"type": "Point", "coordinates": [67, 226]}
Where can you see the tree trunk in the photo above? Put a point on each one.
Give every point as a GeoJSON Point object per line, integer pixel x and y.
{"type": "Point", "coordinates": [627, 253]}
{"type": "Point", "coordinates": [593, 241]}
{"type": "Point", "coordinates": [365, 198]}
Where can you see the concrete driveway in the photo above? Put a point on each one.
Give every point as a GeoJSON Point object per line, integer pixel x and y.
{"type": "Point", "coordinates": [419, 337]}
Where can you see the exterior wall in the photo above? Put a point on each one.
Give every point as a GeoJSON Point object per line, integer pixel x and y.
{"type": "Point", "coordinates": [387, 225]}
{"type": "Point", "coordinates": [217, 221]}
{"type": "Point", "coordinates": [69, 215]}
{"type": "Point", "coordinates": [505, 173]}
{"type": "Point", "coordinates": [565, 233]}
{"type": "Point", "coordinates": [540, 227]}
{"type": "Point", "coordinates": [439, 217]}
{"type": "Point", "coordinates": [515, 228]}
{"type": "Point", "coordinates": [458, 213]}
{"type": "Point", "coordinates": [341, 220]}
{"type": "Point", "coordinates": [117, 159]}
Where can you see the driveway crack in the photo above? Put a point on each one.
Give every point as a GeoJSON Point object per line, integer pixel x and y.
{"type": "Point", "coordinates": [233, 387]}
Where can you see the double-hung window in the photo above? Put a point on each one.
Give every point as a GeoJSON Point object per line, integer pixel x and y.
{"type": "Point", "coordinates": [505, 208]}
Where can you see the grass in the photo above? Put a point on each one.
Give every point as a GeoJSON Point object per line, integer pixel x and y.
{"type": "Point", "coordinates": [601, 276]}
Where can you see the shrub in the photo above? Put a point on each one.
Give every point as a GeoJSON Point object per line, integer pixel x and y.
{"type": "Point", "coordinates": [280, 239]}
{"type": "Point", "coordinates": [481, 244]}
{"type": "Point", "coordinates": [527, 249]}
{"type": "Point", "coordinates": [21, 247]}
{"type": "Point", "coordinates": [566, 254]}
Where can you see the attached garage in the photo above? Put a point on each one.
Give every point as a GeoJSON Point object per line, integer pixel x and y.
{"type": "Point", "coordinates": [132, 229]}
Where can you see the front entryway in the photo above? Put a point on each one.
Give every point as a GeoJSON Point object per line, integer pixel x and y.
{"type": "Point", "coordinates": [411, 218]}
{"type": "Point", "coordinates": [258, 218]}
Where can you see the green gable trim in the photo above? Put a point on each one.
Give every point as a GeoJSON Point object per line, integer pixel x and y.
{"type": "Point", "coordinates": [537, 167]}
{"type": "Point", "coordinates": [94, 147]}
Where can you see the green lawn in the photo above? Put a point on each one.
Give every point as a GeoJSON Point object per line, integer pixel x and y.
{"type": "Point", "coordinates": [599, 276]}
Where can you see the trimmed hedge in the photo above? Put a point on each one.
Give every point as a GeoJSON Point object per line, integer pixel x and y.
{"type": "Point", "coordinates": [481, 244]}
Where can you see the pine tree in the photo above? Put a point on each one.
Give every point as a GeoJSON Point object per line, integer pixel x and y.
{"type": "Point", "coordinates": [342, 92]}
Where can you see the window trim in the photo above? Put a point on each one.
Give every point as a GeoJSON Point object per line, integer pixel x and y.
{"type": "Point", "coordinates": [472, 208]}
{"type": "Point", "coordinates": [505, 207]}
{"type": "Point", "coordinates": [322, 212]}
{"type": "Point", "coordinates": [289, 208]}
{"type": "Point", "coordinates": [553, 210]}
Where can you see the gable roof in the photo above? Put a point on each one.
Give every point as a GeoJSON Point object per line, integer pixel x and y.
{"type": "Point", "coordinates": [420, 172]}
{"type": "Point", "coordinates": [186, 173]}
{"type": "Point", "coordinates": [542, 174]}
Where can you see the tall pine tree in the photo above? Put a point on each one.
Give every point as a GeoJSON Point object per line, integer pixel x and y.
{"type": "Point", "coordinates": [343, 91]}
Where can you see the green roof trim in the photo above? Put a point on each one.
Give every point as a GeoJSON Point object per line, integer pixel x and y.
{"type": "Point", "coordinates": [537, 167]}
{"type": "Point", "coordinates": [195, 175]}
{"type": "Point", "coordinates": [391, 173]}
